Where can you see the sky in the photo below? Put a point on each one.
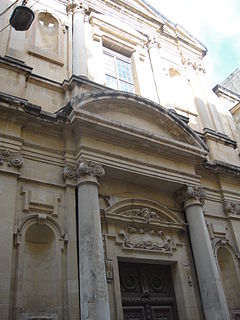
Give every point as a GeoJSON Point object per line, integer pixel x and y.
{"type": "Point", "coordinates": [215, 23]}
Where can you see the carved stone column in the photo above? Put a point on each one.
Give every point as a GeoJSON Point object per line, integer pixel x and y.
{"type": "Point", "coordinates": [213, 299]}
{"type": "Point", "coordinates": [79, 58]}
{"type": "Point", "coordinates": [10, 164]}
{"type": "Point", "coordinates": [153, 49]}
{"type": "Point", "coordinates": [93, 285]}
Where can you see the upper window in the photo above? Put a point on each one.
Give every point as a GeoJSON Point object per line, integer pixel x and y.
{"type": "Point", "coordinates": [118, 71]}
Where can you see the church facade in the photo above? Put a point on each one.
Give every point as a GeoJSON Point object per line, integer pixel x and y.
{"type": "Point", "coordinates": [119, 169]}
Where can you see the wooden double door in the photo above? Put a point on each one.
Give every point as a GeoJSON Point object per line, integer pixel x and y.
{"type": "Point", "coordinates": [147, 292]}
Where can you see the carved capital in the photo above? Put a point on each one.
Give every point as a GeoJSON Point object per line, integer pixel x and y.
{"type": "Point", "coordinates": [231, 208]}
{"type": "Point", "coordinates": [90, 168]}
{"type": "Point", "coordinates": [77, 6]}
{"type": "Point", "coordinates": [12, 159]}
{"type": "Point", "coordinates": [70, 172]}
{"type": "Point", "coordinates": [192, 194]}
{"type": "Point", "coordinates": [153, 43]}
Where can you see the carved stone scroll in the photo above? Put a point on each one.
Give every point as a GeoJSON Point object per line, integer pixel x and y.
{"type": "Point", "coordinates": [12, 159]}
{"type": "Point", "coordinates": [146, 239]}
{"type": "Point", "coordinates": [192, 193]}
{"type": "Point", "coordinates": [91, 168]}
{"type": "Point", "coordinates": [83, 168]}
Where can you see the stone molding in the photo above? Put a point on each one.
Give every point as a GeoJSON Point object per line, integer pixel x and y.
{"type": "Point", "coordinates": [12, 159]}
{"type": "Point", "coordinates": [231, 208]}
{"type": "Point", "coordinates": [191, 195]}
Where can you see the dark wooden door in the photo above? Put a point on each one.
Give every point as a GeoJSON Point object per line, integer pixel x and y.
{"type": "Point", "coordinates": [147, 292]}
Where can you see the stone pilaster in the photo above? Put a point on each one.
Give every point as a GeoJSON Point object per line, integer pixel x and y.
{"type": "Point", "coordinates": [153, 49]}
{"type": "Point", "coordinates": [93, 285]}
{"type": "Point", "coordinates": [213, 299]}
{"type": "Point", "coordinates": [79, 56]}
{"type": "Point", "coordinates": [10, 163]}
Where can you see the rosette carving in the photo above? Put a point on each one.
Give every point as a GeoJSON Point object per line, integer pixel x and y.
{"type": "Point", "coordinates": [191, 193]}
{"type": "Point", "coordinates": [12, 159]}
{"type": "Point", "coordinates": [91, 168]}
{"type": "Point", "coordinates": [16, 160]}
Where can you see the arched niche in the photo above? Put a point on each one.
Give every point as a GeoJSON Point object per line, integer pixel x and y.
{"type": "Point", "coordinates": [39, 278]}
{"type": "Point", "coordinates": [46, 37]}
{"type": "Point", "coordinates": [229, 274]}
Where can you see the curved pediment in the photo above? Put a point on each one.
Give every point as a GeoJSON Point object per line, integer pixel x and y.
{"type": "Point", "coordinates": [143, 211]}
{"type": "Point", "coordinates": [137, 114]}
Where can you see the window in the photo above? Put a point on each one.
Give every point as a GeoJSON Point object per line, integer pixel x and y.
{"type": "Point", "coordinates": [118, 71]}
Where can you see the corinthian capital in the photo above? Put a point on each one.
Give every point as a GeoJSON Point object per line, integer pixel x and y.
{"type": "Point", "coordinates": [191, 194]}
{"type": "Point", "coordinates": [90, 168]}
{"type": "Point", "coordinates": [232, 208]}
{"type": "Point", "coordinates": [153, 43]}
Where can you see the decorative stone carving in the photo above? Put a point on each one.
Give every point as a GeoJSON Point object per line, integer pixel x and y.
{"type": "Point", "coordinates": [146, 239]}
{"type": "Point", "coordinates": [191, 63]}
{"type": "Point", "coordinates": [153, 43]}
{"type": "Point", "coordinates": [145, 213]}
{"type": "Point", "coordinates": [74, 6]}
{"type": "Point", "coordinates": [231, 208]}
{"type": "Point", "coordinates": [189, 193]}
{"type": "Point", "coordinates": [12, 159]}
{"type": "Point", "coordinates": [40, 201]}
{"type": "Point", "coordinates": [69, 172]}
{"type": "Point", "coordinates": [84, 167]}
{"type": "Point", "coordinates": [91, 168]}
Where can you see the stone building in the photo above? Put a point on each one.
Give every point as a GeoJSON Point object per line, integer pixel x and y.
{"type": "Point", "coordinates": [119, 169]}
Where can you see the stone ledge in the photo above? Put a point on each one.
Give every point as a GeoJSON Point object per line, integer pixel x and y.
{"type": "Point", "coordinates": [217, 166]}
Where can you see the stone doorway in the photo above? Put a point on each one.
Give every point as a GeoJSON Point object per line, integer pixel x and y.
{"type": "Point", "coordinates": [147, 292]}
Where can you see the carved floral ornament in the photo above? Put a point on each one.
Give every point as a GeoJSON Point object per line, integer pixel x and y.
{"type": "Point", "coordinates": [12, 159]}
{"type": "Point", "coordinates": [83, 168]}
{"type": "Point", "coordinates": [191, 193]}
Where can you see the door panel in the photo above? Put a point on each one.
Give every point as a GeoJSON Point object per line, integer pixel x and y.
{"type": "Point", "coordinates": [133, 313]}
{"type": "Point", "coordinates": [147, 292]}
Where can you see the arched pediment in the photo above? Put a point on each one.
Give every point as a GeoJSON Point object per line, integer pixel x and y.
{"type": "Point", "coordinates": [144, 211]}
{"type": "Point", "coordinates": [138, 115]}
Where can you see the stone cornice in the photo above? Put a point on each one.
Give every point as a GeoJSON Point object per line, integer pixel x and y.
{"type": "Point", "coordinates": [31, 109]}
{"type": "Point", "coordinates": [218, 89]}
{"type": "Point", "coordinates": [218, 137]}
{"type": "Point", "coordinates": [217, 166]}
{"type": "Point", "coordinates": [190, 195]}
